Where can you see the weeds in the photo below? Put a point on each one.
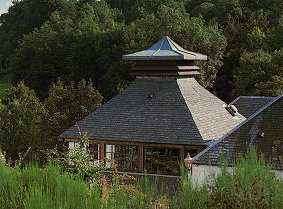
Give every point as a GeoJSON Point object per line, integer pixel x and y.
{"type": "Point", "coordinates": [251, 184]}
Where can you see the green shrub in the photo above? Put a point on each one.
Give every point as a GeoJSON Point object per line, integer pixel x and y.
{"type": "Point", "coordinates": [251, 184]}
{"type": "Point", "coordinates": [192, 196]}
{"type": "Point", "coordinates": [35, 188]}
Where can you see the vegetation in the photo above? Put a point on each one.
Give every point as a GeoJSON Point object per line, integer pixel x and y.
{"type": "Point", "coordinates": [22, 117]}
{"type": "Point", "coordinates": [67, 104]}
{"type": "Point", "coordinates": [86, 39]}
{"type": "Point", "coordinates": [251, 185]}
{"type": "Point", "coordinates": [4, 85]}
{"type": "Point", "coordinates": [29, 127]}
{"type": "Point", "coordinates": [81, 42]}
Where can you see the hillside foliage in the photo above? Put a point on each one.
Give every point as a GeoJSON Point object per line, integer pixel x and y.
{"type": "Point", "coordinates": [43, 40]}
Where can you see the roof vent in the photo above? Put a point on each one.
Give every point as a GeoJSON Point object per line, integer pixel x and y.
{"type": "Point", "coordinates": [150, 96]}
{"type": "Point", "coordinates": [261, 135]}
{"type": "Point", "coordinates": [232, 109]}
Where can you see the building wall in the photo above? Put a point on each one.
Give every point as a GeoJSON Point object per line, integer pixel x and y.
{"type": "Point", "coordinates": [203, 173]}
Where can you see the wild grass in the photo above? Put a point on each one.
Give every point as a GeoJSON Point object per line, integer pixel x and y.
{"type": "Point", "coordinates": [34, 188]}
{"type": "Point", "coordinates": [251, 184]}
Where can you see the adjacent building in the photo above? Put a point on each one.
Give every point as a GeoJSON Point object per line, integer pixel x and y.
{"type": "Point", "coordinates": [263, 129]}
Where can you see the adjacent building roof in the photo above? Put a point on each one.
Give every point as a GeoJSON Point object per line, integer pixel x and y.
{"type": "Point", "coordinates": [159, 110]}
{"type": "Point", "coordinates": [264, 129]}
{"type": "Point", "coordinates": [165, 49]}
{"type": "Point", "coordinates": [248, 105]}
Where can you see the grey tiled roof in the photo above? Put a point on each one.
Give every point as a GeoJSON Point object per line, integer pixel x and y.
{"type": "Point", "coordinates": [248, 105]}
{"type": "Point", "coordinates": [267, 122]}
{"type": "Point", "coordinates": [159, 110]}
{"type": "Point", "coordinates": [209, 113]}
{"type": "Point", "coordinates": [133, 116]}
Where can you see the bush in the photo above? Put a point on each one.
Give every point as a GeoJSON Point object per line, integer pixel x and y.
{"type": "Point", "coordinates": [251, 184]}
{"type": "Point", "coordinates": [34, 187]}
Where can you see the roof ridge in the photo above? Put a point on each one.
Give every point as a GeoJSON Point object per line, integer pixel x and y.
{"type": "Point", "coordinates": [252, 97]}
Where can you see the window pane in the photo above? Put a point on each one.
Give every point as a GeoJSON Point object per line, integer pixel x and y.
{"type": "Point", "coordinates": [162, 160]}
{"type": "Point", "coordinates": [125, 157]}
{"type": "Point", "coordinates": [192, 152]}
{"type": "Point", "coordinates": [93, 150]}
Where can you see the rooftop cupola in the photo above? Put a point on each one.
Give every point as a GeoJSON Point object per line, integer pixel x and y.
{"type": "Point", "coordinates": [165, 58]}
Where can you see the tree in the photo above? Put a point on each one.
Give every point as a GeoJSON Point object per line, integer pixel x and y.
{"type": "Point", "coordinates": [260, 73]}
{"type": "Point", "coordinates": [22, 116]}
{"type": "Point", "coordinates": [73, 44]}
{"type": "Point", "coordinates": [29, 126]}
{"type": "Point", "coordinates": [68, 104]}
{"type": "Point", "coordinates": [248, 26]}
{"type": "Point", "coordinates": [21, 19]}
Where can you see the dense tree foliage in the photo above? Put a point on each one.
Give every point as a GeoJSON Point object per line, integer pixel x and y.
{"type": "Point", "coordinates": [67, 104]}
{"type": "Point", "coordinates": [65, 46]}
{"type": "Point", "coordinates": [249, 26]}
{"type": "Point", "coordinates": [21, 19]}
{"type": "Point", "coordinates": [86, 39]}
{"type": "Point", "coordinates": [29, 126]}
{"type": "Point", "coordinates": [22, 117]}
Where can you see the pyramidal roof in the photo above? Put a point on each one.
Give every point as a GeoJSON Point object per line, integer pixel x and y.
{"type": "Point", "coordinates": [165, 49]}
{"type": "Point", "coordinates": [160, 110]}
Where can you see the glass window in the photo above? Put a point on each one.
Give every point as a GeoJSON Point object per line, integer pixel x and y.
{"type": "Point", "coordinates": [193, 152]}
{"type": "Point", "coordinates": [162, 160]}
{"type": "Point", "coordinates": [72, 145]}
{"type": "Point", "coordinates": [125, 157]}
{"type": "Point", "coordinates": [93, 150]}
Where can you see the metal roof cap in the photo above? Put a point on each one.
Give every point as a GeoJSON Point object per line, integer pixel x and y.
{"type": "Point", "coordinates": [165, 49]}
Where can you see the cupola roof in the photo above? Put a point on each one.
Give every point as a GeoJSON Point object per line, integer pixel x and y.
{"type": "Point", "coordinates": [165, 49]}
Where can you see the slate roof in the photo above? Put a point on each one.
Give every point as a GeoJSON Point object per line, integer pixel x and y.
{"type": "Point", "coordinates": [248, 105]}
{"type": "Point", "coordinates": [159, 110]}
{"type": "Point", "coordinates": [267, 122]}
{"type": "Point", "coordinates": [165, 49]}
{"type": "Point", "coordinates": [209, 113]}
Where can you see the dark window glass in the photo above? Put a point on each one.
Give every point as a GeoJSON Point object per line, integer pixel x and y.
{"type": "Point", "coordinates": [162, 160]}
{"type": "Point", "coordinates": [94, 151]}
{"type": "Point", "coordinates": [193, 152]}
{"type": "Point", "coordinates": [125, 157]}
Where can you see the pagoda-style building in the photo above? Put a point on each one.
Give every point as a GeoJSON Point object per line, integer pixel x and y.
{"type": "Point", "coordinates": [163, 115]}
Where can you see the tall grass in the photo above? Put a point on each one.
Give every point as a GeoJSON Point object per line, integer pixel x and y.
{"type": "Point", "coordinates": [118, 194]}
{"type": "Point", "coordinates": [34, 188]}
{"type": "Point", "coordinates": [191, 196]}
{"type": "Point", "coordinates": [251, 184]}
